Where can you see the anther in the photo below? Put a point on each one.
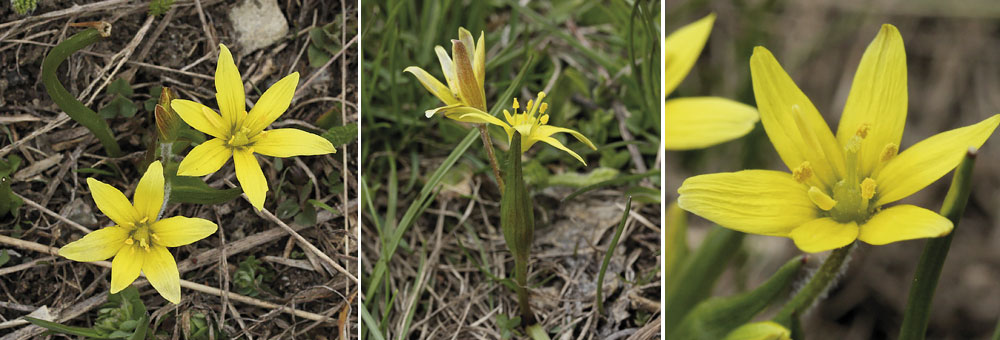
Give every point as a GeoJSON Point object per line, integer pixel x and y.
{"type": "Point", "coordinates": [802, 173]}
{"type": "Point", "coordinates": [888, 152]}
{"type": "Point", "coordinates": [129, 241]}
{"type": "Point", "coordinates": [821, 199]}
{"type": "Point", "coordinates": [868, 188]}
{"type": "Point", "coordinates": [544, 107]}
{"type": "Point", "coordinates": [516, 105]}
{"type": "Point", "coordinates": [530, 102]}
{"type": "Point", "coordinates": [863, 130]}
{"type": "Point", "coordinates": [545, 118]}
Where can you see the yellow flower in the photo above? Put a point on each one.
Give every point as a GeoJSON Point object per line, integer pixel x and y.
{"type": "Point", "coordinates": [531, 123]}
{"type": "Point", "coordinates": [764, 330]}
{"type": "Point", "coordinates": [698, 122]}
{"type": "Point", "coordinates": [239, 134]}
{"type": "Point", "coordinates": [465, 75]}
{"type": "Point", "coordinates": [138, 241]}
{"type": "Point", "coordinates": [839, 184]}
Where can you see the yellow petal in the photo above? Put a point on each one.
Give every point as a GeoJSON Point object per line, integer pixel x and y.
{"type": "Point", "coordinates": [112, 203]}
{"type": "Point", "coordinates": [251, 177]}
{"type": "Point", "coordinates": [752, 201]}
{"type": "Point", "coordinates": [903, 222]}
{"type": "Point", "coordinates": [126, 266]}
{"type": "Point", "coordinates": [766, 330]}
{"type": "Point", "coordinates": [479, 60]}
{"type": "Point", "coordinates": [700, 122]}
{"type": "Point", "coordinates": [205, 158]}
{"type": "Point", "coordinates": [554, 142]}
{"type": "Point", "coordinates": [148, 196]}
{"type": "Point", "coordinates": [99, 245]}
{"type": "Point", "coordinates": [200, 117]}
{"type": "Point", "coordinates": [179, 230]}
{"type": "Point", "coordinates": [877, 98]}
{"type": "Point", "coordinates": [548, 130]}
{"type": "Point", "coordinates": [792, 123]}
{"type": "Point", "coordinates": [469, 114]}
{"type": "Point", "coordinates": [824, 234]}
{"type": "Point", "coordinates": [272, 104]}
{"type": "Point", "coordinates": [468, 87]}
{"type": "Point", "coordinates": [448, 68]}
{"type": "Point", "coordinates": [161, 271]}
{"type": "Point", "coordinates": [682, 48]}
{"type": "Point", "coordinates": [925, 162]}
{"type": "Point", "coordinates": [229, 88]}
{"type": "Point", "coordinates": [432, 85]}
{"type": "Point", "coordinates": [292, 142]}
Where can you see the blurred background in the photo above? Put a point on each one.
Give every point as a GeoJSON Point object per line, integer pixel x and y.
{"type": "Point", "coordinates": [953, 62]}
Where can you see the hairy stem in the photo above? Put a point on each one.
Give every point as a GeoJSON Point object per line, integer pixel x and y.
{"type": "Point", "coordinates": [818, 285]}
{"type": "Point", "coordinates": [485, 136]}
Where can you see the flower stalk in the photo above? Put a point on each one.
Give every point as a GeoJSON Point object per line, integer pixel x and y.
{"type": "Point", "coordinates": [485, 136]}
{"type": "Point", "coordinates": [517, 221]}
{"type": "Point", "coordinates": [817, 286]}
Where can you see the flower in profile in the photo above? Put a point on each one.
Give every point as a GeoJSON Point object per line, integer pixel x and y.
{"type": "Point", "coordinates": [698, 122]}
{"type": "Point", "coordinates": [839, 185]}
{"type": "Point", "coordinates": [239, 134]}
{"type": "Point", "coordinates": [764, 330]}
{"type": "Point", "coordinates": [465, 73]}
{"type": "Point", "coordinates": [532, 124]}
{"type": "Point", "coordinates": [138, 241]}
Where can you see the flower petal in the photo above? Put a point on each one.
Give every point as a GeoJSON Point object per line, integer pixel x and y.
{"type": "Point", "coordinates": [682, 48]}
{"type": "Point", "coordinates": [126, 266]}
{"type": "Point", "coordinates": [903, 222]}
{"type": "Point", "coordinates": [554, 142]}
{"type": "Point", "coordinates": [432, 85]}
{"type": "Point", "coordinates": [161, 271]}
{"type": "Point", "coordinates": [229, 88]}
{"type": "Point", "coordinates": [548, 130]}
{"type": "Point", "coordinates": [291, 142]}
{"type": "Point", "coordinates": [792, 123]}
{"type": "Point", "coordinates": [700, 122]}
{"type": "Point", "coordinates": [448, 68]}
{"type": "Point", "coordinates": [200, 117]}
{"type": "Point", "coordinates": [823, 234]}
{"type": "Point", "coordinates": [112, 203]}
{"type": "Point", "coordinates": [99, 245]}
{"type": "Point", "coordinates": [251, 177]}
{"type": "Point", "coordinates": [877, 98]}
{"type": "Point", "coordinates": [179, 230]}
{"type": "Point", "coordinates": [272, 104]}
{"type": "Point", "coordinates": [752, 201]}
{"type": "Point", "coordinates": [206, 158]}
{"type": "Point", "coordinates": [468, 87]}
{"type": "Point", "coordinates": [148, 196]}
{"type": "Point", "coordinates": [925, 162]}
{"type": "Point", "coordinates": [479, 60]}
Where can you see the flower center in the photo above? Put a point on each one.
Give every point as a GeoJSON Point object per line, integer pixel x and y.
{"type": "Point", "coordinates": [532, 116]}
{"type": "Point", "coordinates": [240, 138]}
{"type": "Point", "coordinates": [142, 234]}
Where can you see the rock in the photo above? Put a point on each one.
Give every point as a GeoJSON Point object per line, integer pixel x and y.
{"type": "Point", "coordinates": [258, 23]}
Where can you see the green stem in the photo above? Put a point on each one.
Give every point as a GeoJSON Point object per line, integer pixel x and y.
{"type": "Point", "coordinates": [918, 306]}
{"type": "Point", "coordinates": [484, 134]}
{"type": "Point", "coordinates": [699, 272]}
{"type": "Point", "coordinates": [607, 256]}
{"type": "Point", "coordinates": [165, 153]}
{"type": "Point", "coordinates": [523, 299]}
{"type": "Point", "coordinates": [66, 101]}
{"type": "Point", "coordinates": [818, 285]}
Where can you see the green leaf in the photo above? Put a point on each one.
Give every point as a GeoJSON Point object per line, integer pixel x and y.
{"type": "Point", "coordinates": [72, 330]}
{"type": "Point", "coordinates": [340, 135]}
{"type": "Point", "coordinates": [119, 87]}
{"type": "Point", "coordinates": [286, 209]}
{"type": "Point", "coordinates": [614, 181]}
{"type": "Point", "coordinates": [699, 272]}
{"type": "Point", "coordinates": [324, 206]}
{"type": "Point", "coordinates": [578, 180]}
{"type": "Point", "coordinates": [675, 241]}
{"type": "Point", "coordinates": [119, 107]}
{"type": "Point", "coordinates": [186, 189]}
{"type": "Point", "coordinates": [4, 257]}
{"type": "Point", "coordinates": [317, 57]}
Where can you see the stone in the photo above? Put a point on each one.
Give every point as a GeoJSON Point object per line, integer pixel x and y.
{"type": "Point", "coordinates": [258, 24]}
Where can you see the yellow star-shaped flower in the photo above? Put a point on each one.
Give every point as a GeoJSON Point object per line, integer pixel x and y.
{"type": "Point", "coordinates": [839, 185]}
{"type": "Point", "coordinates": [138, 241]}
{"type": "Point", "coordinates": [239, 134]}
{"type": "Point", "coordinates": [465, 75]}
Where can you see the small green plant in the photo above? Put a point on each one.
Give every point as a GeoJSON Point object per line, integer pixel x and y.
{"type": "Point", "coordinates": [159, 7]}
{"type": "Point", "coordinates": [22, 7]}
{"type": "Point", "coordinates": [120, 104]}
{"type": "Point", "coordinates": [325, 41]}
{"type": "Point", "coordinates": [250, 276]}
{"type": "Point", "coordinates": [9, 202]}
{"type": "Point", "coordinates": [122, 317]}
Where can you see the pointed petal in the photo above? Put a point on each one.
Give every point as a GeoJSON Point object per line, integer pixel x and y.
{"type": "Point", "coordinates": [292, 142]}
{"type": "Point", "coordinates": [229, 88]}
{"type": "Point", "coordinates": [448, 68]}
{"type": "Point", "coordinates": [126, 266]}
{"type": "Point", "coordinates": [554, 142]}
{"type": "Point", "coordinates": [903, 222]}
{"type": "Point", "coordinates": [752, 201]}
{"type": "Point", "coordinates": [251, 177]}
{"type": "Point", "coordinates": [468, 114]}
{"type": "Point", "coordinates": [179, 230]}
{"type": "Point", "coordinates": [112, 203]}
{"type": "Point", "coordinates": [149, 193]}
{"type": "Point", "coordinates": [682, 48]}
{"type": "Point", "coordinates": [925, 162]}
{"type": "Point", "coordinates": [877, 98]}
{"type": "Point", "coordinates": [548, 130]}
{"type": "Point", "coordinates": [432, 85]}
{"type": "Point", "coordinates": [824, 234]}
{"type": "Point", "coordinates": [792, 123]}
{"type": "Point", "coordinates": [99, 245]}
{"type": "Point", "coordinates": [204, 159]}
{"type": "Point", "coordinates": [479, 60]}
{"type": "Point", "coordinates": [200, 117]}
{"type": "Point", "coordinates": [700, 122]}
{"type": "Point", "coordinates": [272, 104]}
{"type": "Point", "coordinates": [161, 271]}
{"type": "Point", "coordinates": [468, 87]}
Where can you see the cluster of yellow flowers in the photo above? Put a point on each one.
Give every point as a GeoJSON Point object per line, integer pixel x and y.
{"type": "Point", "coordinates": [139, 238]}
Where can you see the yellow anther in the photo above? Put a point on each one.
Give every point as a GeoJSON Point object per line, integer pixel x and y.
{"type": "Point", "coordinates": [250, 149]}
{"type": "Point", "coordinates": [144, 220]}
{"type": "Point", "coordinates": [868, 188]}
{"type": "Point", "coordinates": [545, 118]}
{"type": "Point", "coordinates": [232, 139]}
{"type": "Point", "coordinates": [530, 103]}
{"type": "Point", "coordinates": [863, 130]}
{"type": "Point", "coordinates": [129, 241]}
{"type": "Point", "coordinates": [888, 152]}
{"type": "Point", "coordinates": [154, 237]}
{"type": "Point", "coordinates": [821, 199]}
{"type": "Point", "coordinates": [544, 107]}
{"type": "Point", "coordinates": [516, 105]}
{"type": "Point", "coordinates": [802, 173]}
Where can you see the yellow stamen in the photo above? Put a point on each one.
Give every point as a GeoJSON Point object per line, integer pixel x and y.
{"type": "Point", "coordinates": [803, 172]}
{"type": "Point", "coordinates": [868, 188]}
{"type": "Point", "coordinates": [863, 130]}
{"type": "Point", "coordinates": [129, 241]}
{"type": "Point", "coordinates": [888, 152]}
{"type": "Point", "coordinates": [545, 119]}
{"type": "Point", "coordinates": [530, 103]}
{"type": "Point", "coordinates": [544, 107]}
{"type": "Point", "coordinates": [821, 199]}
{"type": "Point", "coordinates": [516, 105]}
